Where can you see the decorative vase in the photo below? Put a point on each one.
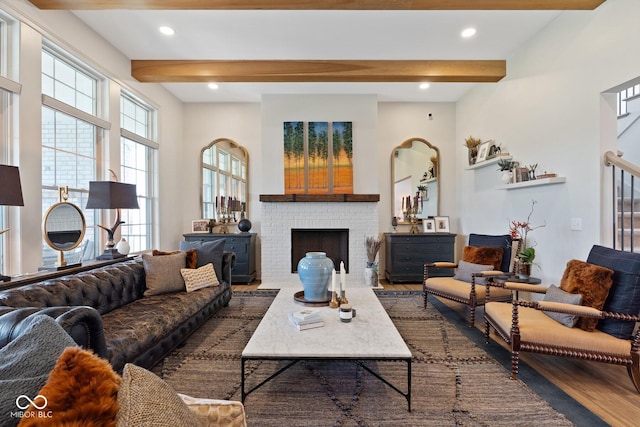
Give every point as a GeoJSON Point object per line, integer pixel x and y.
{"type": "Point", "coordinates": [523, 269]}
{"type": "Point", "coordinates": [244, 225]}
{"type": "Point", "coordinates": [507, 177]}
{"type": "Point", "coordinates": [473, 154]}
{"type": "Point", "coordinates": [371, 274]}
{"type": "Point", "coordinates": [314, 271]}
{"type": "Point", "coordinates": [123, 247]}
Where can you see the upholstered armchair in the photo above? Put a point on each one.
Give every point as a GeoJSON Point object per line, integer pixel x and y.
{"type": "Point", "coordinates": [484, 256]}
{"type": "Point", "coordinates": [591, 316]}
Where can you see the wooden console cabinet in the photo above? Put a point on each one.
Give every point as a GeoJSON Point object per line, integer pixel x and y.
{"type": "Point", "coordinates": [242, 244]}
{"type": "Point", "coordinates": [406, 254]}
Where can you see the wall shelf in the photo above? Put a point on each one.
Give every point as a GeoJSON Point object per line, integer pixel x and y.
{"type": "Point", "coordinates": [535, 183]}
{"type": "Point", "coordinates": [490, 162]}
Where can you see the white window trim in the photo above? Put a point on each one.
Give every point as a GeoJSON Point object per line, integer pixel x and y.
{"type": "Point", "coordinates": [75, 112]}
{"type": "Point", "coordinates": [139, 139]}
{"type": "Point", "coordinates": [10, 85]}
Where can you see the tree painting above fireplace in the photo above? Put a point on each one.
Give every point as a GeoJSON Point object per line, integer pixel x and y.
{"type": "Point", "coordinates": [318, 157]}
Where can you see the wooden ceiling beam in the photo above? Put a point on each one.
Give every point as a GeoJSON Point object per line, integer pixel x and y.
{"type": "Point", "coordinates": [165, 71]}
{"type": "Point", "coordinates": [320, 4]}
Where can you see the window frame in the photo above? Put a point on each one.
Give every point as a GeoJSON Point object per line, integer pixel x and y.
{"type": "Point", "coordinates": [142, 239]}
{"type": "Point", "coordinates": [99, 128]}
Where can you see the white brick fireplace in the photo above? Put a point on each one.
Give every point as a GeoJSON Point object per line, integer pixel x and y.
{"type": "Point", "coordinates": [278, 218]}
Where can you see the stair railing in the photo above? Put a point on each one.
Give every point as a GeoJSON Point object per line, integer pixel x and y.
{"type": "Point", "coordinates": [622, 171]}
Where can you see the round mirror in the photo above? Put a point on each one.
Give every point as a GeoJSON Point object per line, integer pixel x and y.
{"type": "Point", "coordinates": [415, 173]}
{"type": "Point", "coordinates": [224, 166]}
{"type": "Point", "coordinates": [63, 226]}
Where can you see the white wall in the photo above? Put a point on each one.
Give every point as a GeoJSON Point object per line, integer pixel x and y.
{"type": "Point", "coordinates": [359, 109]}
{"type": "Point", "coordinates": [377, 129]}
{"type": "Point", "coordinates": [203, 123]}
{"type": "Point", "coordinates": [398, 122]}
{"type": "Point", "coordinates": [549, 110]}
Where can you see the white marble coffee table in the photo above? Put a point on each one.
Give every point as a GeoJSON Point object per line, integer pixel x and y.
{"type": "Point", "coordinates": [371, 335]}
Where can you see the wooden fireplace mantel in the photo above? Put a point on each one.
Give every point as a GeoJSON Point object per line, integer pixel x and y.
{"type": "Point", "coordinates": [335, 198]}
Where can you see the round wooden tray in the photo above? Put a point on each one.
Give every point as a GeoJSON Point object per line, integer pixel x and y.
{"type": "Point", "coordinates": [299, 298]}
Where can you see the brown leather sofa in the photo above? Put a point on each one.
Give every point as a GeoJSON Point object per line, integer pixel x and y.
{"type": "Point", "coordinates": [105, 310]}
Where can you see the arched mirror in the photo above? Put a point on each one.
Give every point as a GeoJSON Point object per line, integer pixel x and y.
{"type": "Point", "coordinates": [224, 166]}
{"type": "Point", "coordinates": [415, 174]}
{"type": "Point", "coordinates": [63, 227]}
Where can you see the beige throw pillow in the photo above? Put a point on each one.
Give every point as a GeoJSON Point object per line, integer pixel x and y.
{"type": "Point", "coordinates": [199, 278]}
{"type": "Point", "coordinates": [163, 273]}
{"type": "Point", "coordinates": [146, 400]}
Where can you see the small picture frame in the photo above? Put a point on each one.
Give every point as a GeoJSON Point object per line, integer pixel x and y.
{"type": "Point", "coordinates": [483, 151]}
{"type": "Point", "coordinates": [493, 149]}
{"type": "Point", "coordinates": [442, 224]}
{"type": "Point", "coordinates": [200, 226]}
{"type": "Point", "coordinates": [523, 174]}
{"type": "Point", "coordinates": [428, 225]}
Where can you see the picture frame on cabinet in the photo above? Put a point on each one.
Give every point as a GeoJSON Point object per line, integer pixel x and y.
{"type": "Point", "coordinates": [200, 226]}
{"type": "Point", "coordinates": [428, 225]}
{"type": "Point", "coordinates": [483, 151]}
{"type": "Point", "coordinates": [442, 224]}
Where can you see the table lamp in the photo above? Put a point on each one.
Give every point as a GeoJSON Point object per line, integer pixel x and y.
{"type": "Point", "coordinates": [112, 195]}
{"type": "Point", "coordinates": [10, 195]}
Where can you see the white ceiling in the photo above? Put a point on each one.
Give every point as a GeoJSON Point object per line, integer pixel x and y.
{"type": "Point", "coordinates": [269, 34]}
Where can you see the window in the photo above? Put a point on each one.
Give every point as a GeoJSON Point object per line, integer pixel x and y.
{"type": "Point", "coordinates": [8, 89]}
{"type": "Point", "coordinates": [224, 177]}
{"type": "Point", "coordinates": [625, 94]}
{"type": "Point", "coordinates": [5, 113]}
{"type": "Point", "coordinates": [137, 158]}
{"type": "Point", "coordinates": [71, 131]}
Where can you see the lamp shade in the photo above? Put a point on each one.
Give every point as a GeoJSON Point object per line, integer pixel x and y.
{"type": "Point", "coordinates": [112, 195]}
{"type": "Point", "coordinates": [10, 187]}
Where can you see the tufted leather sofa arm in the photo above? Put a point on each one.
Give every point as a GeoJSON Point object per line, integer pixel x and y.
{"type": "Point", "coordinates": [83, 324]}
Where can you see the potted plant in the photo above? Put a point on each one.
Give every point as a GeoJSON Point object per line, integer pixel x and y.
{"type": "Point", "coordinates": [520, 230]}
{"type": "Point", "coordinates": [472, 145]}
{"type": "Point", "coordinates": [506, 166]}
{"type": "Point", "coordinates": [423, 191]}
{"type": "Point", "coordinates": [372, 245]}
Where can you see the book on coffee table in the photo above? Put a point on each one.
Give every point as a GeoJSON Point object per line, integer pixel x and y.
{"type": "Point", "coordinates": [310, 322]}
{"type": "Point", "coordinates": [306, 313]}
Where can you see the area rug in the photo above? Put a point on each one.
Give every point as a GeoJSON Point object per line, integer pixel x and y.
{"type": "Point", "coordinates": [454, 381]}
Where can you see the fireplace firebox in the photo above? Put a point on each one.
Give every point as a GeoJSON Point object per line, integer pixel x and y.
{"type": "Point", "coordinates": [333, 241]}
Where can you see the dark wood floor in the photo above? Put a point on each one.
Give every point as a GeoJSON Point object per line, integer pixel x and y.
{"type": "Point", "coordinates": [605, 389]}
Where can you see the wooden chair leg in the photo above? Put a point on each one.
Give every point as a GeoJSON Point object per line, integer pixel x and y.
{"type": "Point", "coordinates": [634, 374]}
{"type": "Point", "coordinates": [515, 356]}
{"type": "Point", "coordinates": [487, 331]}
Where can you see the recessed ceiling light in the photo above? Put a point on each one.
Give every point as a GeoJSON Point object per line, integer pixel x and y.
{"type": "Point", "coordinates": [468, 32]}
{"type": "Point", "coordinates": [212, 86]}
{"type": "Point", "coordinates": [167, 31]}
{"type": "Point", "coordinates": [424, 86]}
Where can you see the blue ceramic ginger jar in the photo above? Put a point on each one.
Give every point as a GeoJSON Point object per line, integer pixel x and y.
{"type": "Point", "coordinates": [314, 271]}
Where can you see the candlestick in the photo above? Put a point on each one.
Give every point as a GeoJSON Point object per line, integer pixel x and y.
{"type": "Point", "coordinates": [333, 280]}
